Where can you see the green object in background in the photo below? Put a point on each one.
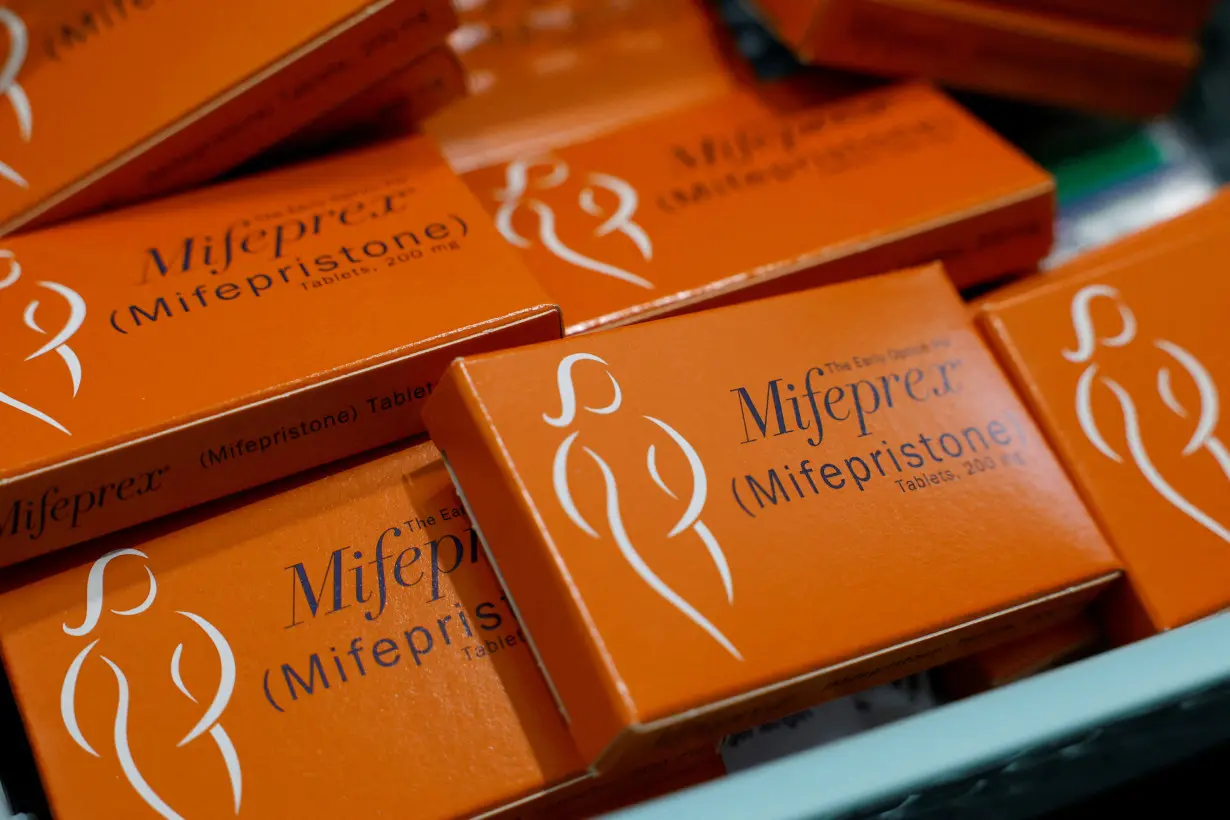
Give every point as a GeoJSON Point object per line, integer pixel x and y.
{"type": "Point", "coordinates": [1078, 176]}
{"type": "Point", "coordinates": [1087, 154]}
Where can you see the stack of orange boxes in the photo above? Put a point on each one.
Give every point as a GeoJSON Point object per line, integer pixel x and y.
{"type": "Point", "coordinates": [504, 463]}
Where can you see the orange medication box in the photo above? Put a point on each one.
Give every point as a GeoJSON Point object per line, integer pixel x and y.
{"type": "Point", "coordinates": [1120, 355]}
{"type": "Point", "coordinates": [1159, 16]}
{"type": "Point", "coordinates": [398, 104]}
{"type": "Point", "coordinates": [241, 659]}
{"type": "Point", "coordinates": [112, 102]}
{"type": "Point", "coordinates": [159, 357]}
{"type": "Point", "coordinates": [712, 521]}
{"type": "Point", "coordinates": [393, 107]}
{"type": "Point", "coordinates": [543, 75]}
{"type": "Point", "coordinates": [997, 50]}
{"type": "Point", "coordinates": [748, 196]}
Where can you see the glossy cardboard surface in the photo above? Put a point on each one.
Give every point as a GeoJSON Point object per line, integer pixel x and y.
{"type": "Point", "coordinates": [123, 100]}
{"type": "Point", "coordinates": [197, 345]}
{"type": "Point", "coordinates": [541, 76]}
{"type": "Point", "coordinates": [700, 519]}
{"type": "Point", "coordinates": [252, 658]}
{"type": "Point", "coordinates": [995, 49]}
{"type": "Point", "coordinates": [767, 192]}
{"type": "Point", "coordinates": [1121, 355]}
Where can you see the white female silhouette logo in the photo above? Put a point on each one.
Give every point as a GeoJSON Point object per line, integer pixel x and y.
{"type": "Point", "coordinates": [207, 723]}
{"type": "Point", "coordinates": [10, 88]}
{"type": "Point", "coordinates": [58, 342]}
{"type": "Point", "coordinates": [689, 520]}
{"type": "Point", "coordinates": [1203, 438]}
{"type": "Point", "coordinates": [513, 196]}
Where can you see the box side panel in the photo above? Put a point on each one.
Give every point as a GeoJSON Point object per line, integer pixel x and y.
{"type": "Point", "coordinates": [1014, 660]}
{"type": "Point", "coordinates": [252, 444]}
{"type": "Point", "coordinates": [430, 94]}
{"type": "Point", "coordinates": [1159, 16]}
{"type": "Point", "coordinates": [403, 100]}
{"type": "Point", "coordinates": [390, 107]}
{"type": "Point", "coordinates": [1001, 52]}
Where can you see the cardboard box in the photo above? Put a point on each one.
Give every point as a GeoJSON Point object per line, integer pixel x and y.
{"type": "Point", "coordinates": [754, 195]}
{"type": "Point", "coordinates": [712, 521]}
{"type": "Point", "coordinates": [394, 107]}
{"type": "Point", "coordinates": [420, 649]}
{"type": "Point", "coordinates": [996, 50]}
{"type": "Point", "coordinates": [600, 796]}
{"type": "Point", "coordinates": [1119, 355]}
{"type": "Point", "coordinates": [238, 659]}
{"type": "Point", "coordinates": [547, 75]}
{"type": "Point", "coordinates": [115, 102]}
{"type": "Point", "coordinates": [400, 103]}
{"type": "Point", "coordinates": [1017, 659]}
{"type": "Point", "coordinates": [182, 350]}
{"type": "Point", "coordinates": [1182, 17]}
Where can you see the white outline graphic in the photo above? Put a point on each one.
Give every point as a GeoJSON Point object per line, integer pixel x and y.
{"type": "Point", "coordinates": [689, 520]}
{"type": "Point", "coordinates": [208, 721]}
{"type": "Point", "coordinates": [58, 342]}
{"type": "Point", "coordinates": [10, 88]}
{"type": "Point", "coordinates": [513, 196]}
{"type": "Point", "coordinates": [1203, 438]}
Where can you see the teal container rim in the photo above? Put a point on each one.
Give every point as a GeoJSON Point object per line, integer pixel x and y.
{"type": "Point", "coordinates": [952, 741]}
